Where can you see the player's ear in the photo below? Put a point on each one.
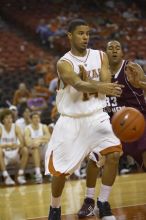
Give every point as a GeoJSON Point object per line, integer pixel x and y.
{"type": "Point", "coordinates": [69, 35]}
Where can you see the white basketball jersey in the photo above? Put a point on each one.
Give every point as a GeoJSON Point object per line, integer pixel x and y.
{"type": "Point", "coordinates": [21, 123]}
{"type": "Point", "coordinates": [70, 101]}
{"type": "Point", "coordinates": [36, 133]}
{"type": "Point", "coordinates": [8, 137]}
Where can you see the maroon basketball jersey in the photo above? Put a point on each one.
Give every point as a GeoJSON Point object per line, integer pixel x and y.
{"type": "Point", "coordinates": [130, 97]}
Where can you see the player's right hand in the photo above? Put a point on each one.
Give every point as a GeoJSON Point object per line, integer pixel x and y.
{"type": "Point", "coordinates": [110, 89]}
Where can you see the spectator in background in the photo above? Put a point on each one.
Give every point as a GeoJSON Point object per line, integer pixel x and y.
{"type": "Point", "coordinates": [36, 103]}
{"type": "Point", "coordinates": [21, 95]}
{"type": "Point", "coordinates": [32, 62]}
{"type": "Point", "coordinates": [44, 31]}
{"type": "Point", "coordinates": [36, 137]}
{"type": "Point", "coordinates": [24, 114]}
{"type": "Point", "coordinates": [14, 111]}
{"type": "Point", "coordinates": [11, 148]}
{"type": "Point", "coordinates": [53, 85]}
{"type": "Point", "coordinates": [41, 90]}
{"type": "Point", "coordinates": [52, 89]}
{"type": "Point", "coordinates": [46, 69]}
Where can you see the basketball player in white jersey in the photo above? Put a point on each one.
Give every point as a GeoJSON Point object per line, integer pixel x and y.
{"type": "Point", "coordinates": [37, 137]}
{"type": "Point", "coordinates": [82, 125]}
{"type": "Point", "coordinates": [11, 148]}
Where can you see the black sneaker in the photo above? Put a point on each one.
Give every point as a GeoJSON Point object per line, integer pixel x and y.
{"type": "Point", "coordinates": [54, 214]}
{"type": "Point", "coordinates": [87, 208]}
{"type": "Point", "coordinates": [103, 211]}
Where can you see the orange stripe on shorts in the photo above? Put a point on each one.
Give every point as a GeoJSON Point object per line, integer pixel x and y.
{"type": "Point", "coordinates": [117, 148]}
{"type": "Point", "coordinates": [52, 169]}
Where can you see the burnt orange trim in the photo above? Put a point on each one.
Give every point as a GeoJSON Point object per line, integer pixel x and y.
{"type": "Point", "coordinates": [112, 149]}
{"type": "Point", "coordinates": [52, 169]}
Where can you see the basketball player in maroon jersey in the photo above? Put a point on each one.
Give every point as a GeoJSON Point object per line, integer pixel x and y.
{"type": "Point", "coordinates": [132, 77]}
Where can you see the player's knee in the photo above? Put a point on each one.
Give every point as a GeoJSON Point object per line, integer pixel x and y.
{"type": "Point", "coordinates": [24, 151]}
{"type": "Point", "coordinates": [92, 163]}
{"type": "Point", "coordinates": [97, 159]}
{"type": "Point", "coordinates": [113, 157]}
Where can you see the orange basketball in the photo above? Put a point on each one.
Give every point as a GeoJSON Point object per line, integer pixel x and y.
{"type": "Point", "coordinates": [128, 124]}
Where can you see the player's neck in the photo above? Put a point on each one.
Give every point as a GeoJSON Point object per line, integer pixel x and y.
{"type": "Point", "coordinates": [114, 67]}
{"type": "Point", "coordinates": [78, 53]}
{"type": "Point", "coordinates": [35, 126]}
{"type": "Point", "coordinates": [27, 120]}
{"type": "Point", "coordinates": [8, 127]}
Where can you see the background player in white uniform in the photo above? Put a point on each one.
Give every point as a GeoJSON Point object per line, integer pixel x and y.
{"type": "Point", "coordinates": [11, 147]}
{"type": "Point", "coordinates": [37, 137]}
{"type": "Point", "coordinates": [24, 114]}
{"type": "Point", "coordinates": [82, 125]}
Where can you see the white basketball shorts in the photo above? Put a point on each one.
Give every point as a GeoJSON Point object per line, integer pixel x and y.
{"type": "Point", "coordinates": [74, 138]}
{"type": "Point", "coordinates": [11, 156]}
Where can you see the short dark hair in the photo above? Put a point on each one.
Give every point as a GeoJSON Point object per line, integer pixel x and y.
{"type": "Point", "coordinates": [4, 114]}
{"type": "Point", "coordinates": [34, 113]}
{"type": "Point", "coordinates": [75, 23]}
{"type": "Point", "coordinates": [23, 106]}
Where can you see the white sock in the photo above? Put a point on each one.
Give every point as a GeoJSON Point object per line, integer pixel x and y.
{"type": "Point", "coordinates": [90, 193]}
{"type": "Point", "coordinates": [104, 193]}
{"type": "Point", "coordinates": [20, 172]}
{"type": "Point", "coordinates": [55, 202]}
{"type": "Point", "coordinates": [37, 170]}
{"type": "Point", "coordinates": [5, 173]}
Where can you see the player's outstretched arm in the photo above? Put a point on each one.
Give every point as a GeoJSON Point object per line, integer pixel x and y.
{"type": "Point", "coordinates": [69, 77]}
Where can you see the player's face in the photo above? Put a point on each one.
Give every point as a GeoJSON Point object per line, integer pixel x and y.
{"type": "Point", "coordinates": [8, 120]}
{"type": "Point", "coordinates": [114, 52]}
{"type": "Point", "coordinates": [26, 113]}
{"type": "Point", "coordinates": [35, 119]}
{"type": "Point", "coordinates": [79, 38]}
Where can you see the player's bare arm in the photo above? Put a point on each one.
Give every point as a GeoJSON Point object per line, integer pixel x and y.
{"type": "Point", "coordinates": [105, 73]}
{"type": "Point", "coordinates": [46, 137]}
{"type": "Point", "coordinates": [19, 136]}
{"type": "Point", "coordinates": [27, 137]}
{"type": "Point", "coordinates": [69, 77]}
{"type": "Point", "coordinates": [2, 145]}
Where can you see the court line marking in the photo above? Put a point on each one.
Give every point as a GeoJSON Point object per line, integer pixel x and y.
{"type": "Point", "coordinates": [74, 214]}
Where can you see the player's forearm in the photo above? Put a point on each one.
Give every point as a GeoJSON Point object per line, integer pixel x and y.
{"type": "Point", "coordinates": [28, 143]}
{"type": "Point", "coordinates": [87, 87]}
{"type": "Point", "coordinates": [4, 146]}
{"type": "Point", "coordinates": [44, 139]}
{"type": "Point", "coordinates": [19, 145]}
{"type": "Point", "coordinates": [106, 77]}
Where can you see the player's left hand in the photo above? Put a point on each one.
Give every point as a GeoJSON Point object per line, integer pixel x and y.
{"type": "Point", "coordinates": [134, 73]}
{"type": "Point", "coordinates": [83, 73]}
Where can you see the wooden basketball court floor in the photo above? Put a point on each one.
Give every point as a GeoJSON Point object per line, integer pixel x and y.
{"type": "Point", "coordinates": [31, 202]}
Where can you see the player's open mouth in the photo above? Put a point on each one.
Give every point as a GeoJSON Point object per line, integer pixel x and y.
{"type": "Point", "coordinates": [85, 43]}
